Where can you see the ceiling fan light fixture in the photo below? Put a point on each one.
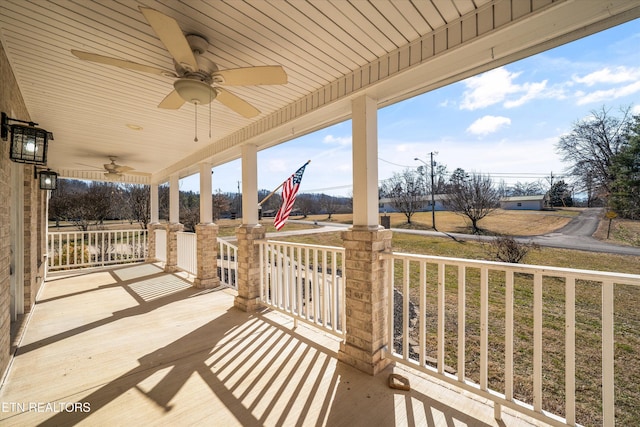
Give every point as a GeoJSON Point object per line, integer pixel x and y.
{"type": "Point", "coordinates": [194, 91]}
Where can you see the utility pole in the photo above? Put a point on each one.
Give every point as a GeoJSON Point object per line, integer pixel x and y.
{"type": "Point", "coordinates": [433, 190]}
{"type": "Point", "coordinates": [433, 201]}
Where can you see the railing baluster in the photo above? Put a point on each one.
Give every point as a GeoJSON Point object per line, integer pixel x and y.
{"type": "Point", "coordinates": [537, 342]}
{"type": "Point", "coordinates": [484, 327]}
{"type": "Point", "coordinates": [325, 308]}
{"type": "Point", "coordinates": [462, 328]}
{"type": "Point", "coordinates": [570, 350]}
{"type": "Point", "coordinates": [316, 285]}
{"type": "Point", "coordinates": [422, 308]}
{"type": "Point", "coordinates": [263, 266]}
{"type": "Point", "coordinates": [508, 336]}
{"type": "Point", "coordinates": [608, 377]}
{"type": "Point", "coordinates": [299, 281]}
{"type": "Point", "coordinates": [406, 277]}
{"type": "Point", "coordinates": [333, 289]}
{"type": "Point", "coordinates": [307, 286]}
{"type": "Point", "coordinates": [290, 266]}
{"type": "Point", "coordinates": [441, 316]}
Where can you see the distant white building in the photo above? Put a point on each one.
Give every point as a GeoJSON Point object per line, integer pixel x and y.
{"type": "Point", "coordinates": [532, 203]}
{"type": "Point", "coordinates": [385, 205]}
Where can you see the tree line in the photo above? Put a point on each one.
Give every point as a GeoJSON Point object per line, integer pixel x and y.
{"type": "Point", "coordinates": [89, 204]}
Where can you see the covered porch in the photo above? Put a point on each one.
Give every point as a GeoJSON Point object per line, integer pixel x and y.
{"type": "Point", "coordinates": [135, 345]}
{"type": "Point", "coordinates": [142, 343]}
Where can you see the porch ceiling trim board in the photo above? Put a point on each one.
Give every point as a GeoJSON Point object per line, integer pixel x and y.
{"type": "Point", "coordinates": [462, 48]}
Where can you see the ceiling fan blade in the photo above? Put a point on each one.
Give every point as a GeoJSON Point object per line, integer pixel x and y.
{"type": "Point", "coordinates": [123, 169]}
{"type": "Point", "coordinates": [262, 75]}
{"type": "Point", "coordinates": [122, 63]}
{"type": "Point", "coordinates": [236, 103]}
{"type": "Point", "coordinates": [171, 36]}
{"type": "Point", "coordinates": [173, 101]}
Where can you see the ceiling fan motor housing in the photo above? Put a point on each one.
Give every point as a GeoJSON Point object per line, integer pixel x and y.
{"type": "Point", "coordinates": [195, 91]}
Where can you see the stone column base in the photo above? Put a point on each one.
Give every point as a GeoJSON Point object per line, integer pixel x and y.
{"type": "Point", "coordinates": [363, 360]}
{"type": "Point", "coordinates": [366, 299]}
{"type": "Point", "coordinates": [151, 241]}
{"type": "Point", "coordinates": [172, 247]}
{"type": "Point", "coordinates": [207, 253]}
{"type": "Point", "coordinates": [248, 298]}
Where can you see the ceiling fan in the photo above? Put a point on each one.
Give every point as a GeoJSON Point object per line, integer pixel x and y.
{"type": "Point", "coordinates": [114, 171]}
{"type": "Point", "coordinates": [198, 80]}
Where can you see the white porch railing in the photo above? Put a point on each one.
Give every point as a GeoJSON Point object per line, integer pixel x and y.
{"type": "Point", "coordinates": [228, 263]}
{"type": "Point", "coordinates": [498, 329]}
{"type": "Point", "coordinates": [77, 249]}
{"type": "Point", "coordinates": [187, 252]}
{"type": "Point", "coordinates": [304, 281]}
{"type": "Point", "coordinates": [161, 245]}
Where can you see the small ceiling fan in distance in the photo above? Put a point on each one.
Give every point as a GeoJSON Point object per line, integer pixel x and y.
{"type": "Point", "coordinates": [113, 170]}
{"type": "Point", "coordinates": [198, 80]}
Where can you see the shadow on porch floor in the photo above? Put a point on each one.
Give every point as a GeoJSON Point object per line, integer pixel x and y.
{"type": "Point", "coordinates": [132, 345]}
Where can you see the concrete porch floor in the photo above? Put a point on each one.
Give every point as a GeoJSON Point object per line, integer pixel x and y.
{"type": "Point", "coordinates": [132, 345]}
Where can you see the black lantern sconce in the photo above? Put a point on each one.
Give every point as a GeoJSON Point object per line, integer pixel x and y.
{"type": "Point", "coordinates": [48, 179]}
{"type": "Point", "coordinates": [28, 143]}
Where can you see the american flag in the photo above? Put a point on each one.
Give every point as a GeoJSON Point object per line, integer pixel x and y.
{"type": "Point", "coordinates": [289, 190]}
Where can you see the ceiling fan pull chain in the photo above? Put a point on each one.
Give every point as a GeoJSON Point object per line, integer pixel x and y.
{"type": "Point", "coordinates": [196, 137]}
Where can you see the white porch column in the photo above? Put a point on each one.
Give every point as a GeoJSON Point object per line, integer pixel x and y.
{"type": "Point", "coordinates": [366, 297]}
{"type": "Point", "coordinates": [365, 161]}
{"type": "Point", "coordinates": [154, 205]}
{"type": "Point", "coordinates": [249, 185]}
{"type": "Point", "coordinates": [174, 225]}
{"type": "Point", "coordinates": [206, 235]}
{"type": "Point", "coordinates": [174, 199]}
{"type": "Point", "coordinates": [154, 222]}
{"type": "Point", "coordinates": [206, 201]}
{"type": "Point", "coordinates": [248, 233]}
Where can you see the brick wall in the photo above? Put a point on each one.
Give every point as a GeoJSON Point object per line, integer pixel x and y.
{"type": "Point", "coordinates": [11, 102]}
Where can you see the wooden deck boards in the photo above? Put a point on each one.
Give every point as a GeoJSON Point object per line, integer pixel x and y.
{"type": "Point", "coordinates": [132, 345]}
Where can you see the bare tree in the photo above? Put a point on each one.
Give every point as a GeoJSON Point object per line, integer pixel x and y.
{"type": "Point", "coordinates": [220, 203]}
{"type": "Point", "coordinates": [406, 191]}
{"type": "Point", "coordinates": [306, 203]}
{"type": "Point", "coordinates": [93, 206]}
{"type": "Point", "coordinates": [473, 196]}
{"type": "Point", "coordinates": [590, 147]}
{"type": "Point", "coordinates": [329, 204]}
{"type": "Point", "coordinates": [138, 202]}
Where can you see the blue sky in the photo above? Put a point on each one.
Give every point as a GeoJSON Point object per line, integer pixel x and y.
{"type": "Point", "coordinates": [505, 122]}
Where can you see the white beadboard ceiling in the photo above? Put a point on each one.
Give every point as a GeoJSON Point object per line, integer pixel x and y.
{"type": "Point", "coordinates": [331, 50]}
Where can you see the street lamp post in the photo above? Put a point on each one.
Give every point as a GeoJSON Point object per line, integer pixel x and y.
{"type": "Point", "coordinates": [433, 202]}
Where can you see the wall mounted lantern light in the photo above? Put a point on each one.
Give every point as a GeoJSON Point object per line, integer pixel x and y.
{"type": "Point", "coordinates": [48, 179]}
{"type": "Point", "coordinates": [28, 143]}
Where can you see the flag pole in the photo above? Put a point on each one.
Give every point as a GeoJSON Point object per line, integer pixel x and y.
{"type": "Point", "coordinates": [277, 188]}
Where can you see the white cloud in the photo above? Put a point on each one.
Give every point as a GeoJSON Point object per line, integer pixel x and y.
{"type": "Point", "coordinates": [608, 76]}
{"type": "Point", "coordinates": [497, 86]}
{"type": "Point", "coordinates": [340, 140]}
{"type": "Point", "coordinates": [601, 96]}
{"type": "Point", "coordinates": [488, 124]}
{"type": "Point", "coordinates": [532, 91]}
